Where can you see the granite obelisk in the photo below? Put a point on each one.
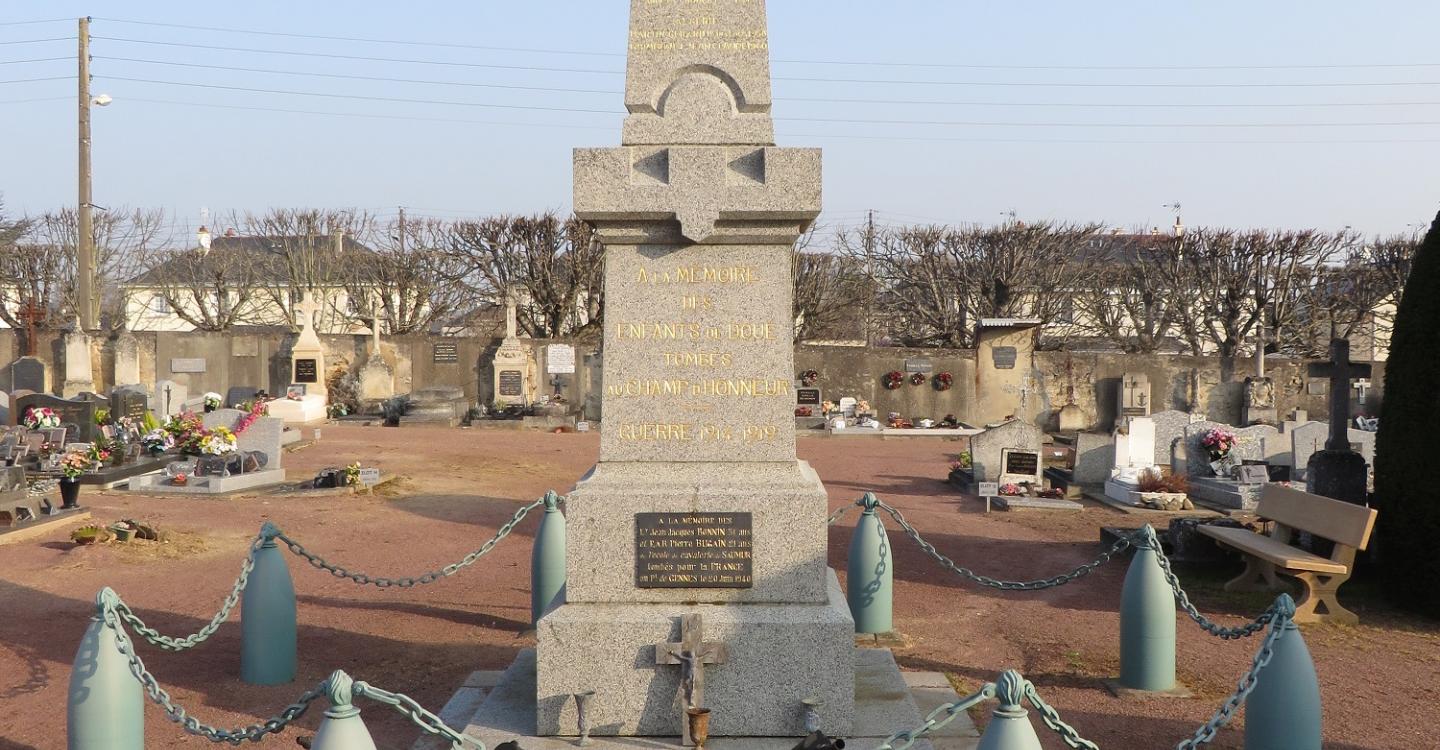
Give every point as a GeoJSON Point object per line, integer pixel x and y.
{"type": "Point", "coordinates": [698, 513]}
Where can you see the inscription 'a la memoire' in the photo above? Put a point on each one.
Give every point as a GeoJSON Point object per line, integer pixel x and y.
{"type": "Point", "coordinates": [699, 275]}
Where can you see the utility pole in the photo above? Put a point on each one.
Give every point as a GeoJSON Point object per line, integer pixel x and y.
{"type": "Point", "coordinates": [870, 278]}
{"type": "Point", "coordinates": [85, 231]}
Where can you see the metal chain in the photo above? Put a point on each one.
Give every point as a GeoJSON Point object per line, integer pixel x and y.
{"type": "Point", "coordinates": [903, 740]}
{"type": "Point", "coordinates": [837, 515]}
{"type": "Point", "coordinates": [1151, 542]}
{"type": "Point", "coordinates": [1283, 612]}
{"type": "Point", "coordinates": [1051, 717]}
{"type": "Point", "coordinates": [408, 582]}
{"type": "Point", "coordinates": [1036, 585]}
{"type": "Point", "coordinates": [169, 643]}
{"type": "Point", "coordinates": [417, 713]}
{"type": "Point", "coordinates": [160, 697]}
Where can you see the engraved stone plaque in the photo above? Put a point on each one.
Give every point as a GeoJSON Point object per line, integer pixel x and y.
{"type": "Point", "coordinates": [306, 371]}
{"type": "Point", "coordinates": [446, 352]}
{"type": "Point", "coordinates": [693, 550]}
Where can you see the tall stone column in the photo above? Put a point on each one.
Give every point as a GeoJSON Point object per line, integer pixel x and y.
{"type": "Point", "coordinates": [79, 369]}
{"type": "Point", "coordinates": [698, 496]}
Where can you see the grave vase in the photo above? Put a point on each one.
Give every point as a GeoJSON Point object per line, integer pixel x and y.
{"type": "Point", "coordinates": [69, 493]}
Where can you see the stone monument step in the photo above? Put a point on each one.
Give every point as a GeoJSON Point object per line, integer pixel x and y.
{"type": "Point", "coordinates": [500, 706]}
{"type": "Point", "coordinates": [1225, 495]}
{"type": "Point", "coordinates": [213, 485]}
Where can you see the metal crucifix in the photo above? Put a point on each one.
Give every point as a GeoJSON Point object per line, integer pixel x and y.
{"type": "Point", "coordinates": [692, 653]}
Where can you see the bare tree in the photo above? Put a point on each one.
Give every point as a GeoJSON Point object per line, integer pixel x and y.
{"type": "Point", "coordinates": [308, 251]}
{"type": "Point", "coordinates": [210, 291]}
{"type": "Point", "coordinates": [553, 268]}
{"type": "Point", "coordinates": [1352, 298]}
{"type": "Point", "coordinates": [122, 237]}
{"type": "Point", "coordinates": [403, 281]}
{"type": "Point", "coordinates": [827, 288]}
{"type": "Point", "coordinates": [1131, 298]}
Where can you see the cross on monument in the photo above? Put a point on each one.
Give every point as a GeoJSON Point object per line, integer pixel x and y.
{"type": "Point", "coordinates": [692, 653]}
{"type": "Point", "coordinates": [308, 310]}
{"type": "Point", "coordinates": [375, 334]}
{"type": "Point", "coordinates": [511, 312]}
{"type": "Point", "coordinates": [1341, 371]}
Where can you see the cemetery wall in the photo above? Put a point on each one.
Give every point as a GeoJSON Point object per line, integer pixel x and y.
{"type": "Point", "coordinates": [859, 372]}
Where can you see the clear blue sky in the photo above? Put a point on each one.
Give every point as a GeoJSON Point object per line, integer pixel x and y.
{"type": "Point", "coordinates": [156, 147]}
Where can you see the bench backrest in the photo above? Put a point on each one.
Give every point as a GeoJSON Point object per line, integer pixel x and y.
{"type": "Point", "coordinates": [1336, 520]}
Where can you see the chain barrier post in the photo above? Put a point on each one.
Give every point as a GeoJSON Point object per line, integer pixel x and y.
{"type": "Point", "coordinates": [547, 560]}
{"type": "Point", "coordinates": [870, 576]}
{"type": "Point", "coordinates": [1009, 727]}
{"type": "Point", "coordinates": [106, 709]}
{"type": "Point", "coordinates": [267, 617]}
{"type": "Point", "coordinates": [342, 728]}
{"type": "Point", "coordinates": [1283, 711]}
{"type": "Point", "coordinates": [1147, 621]}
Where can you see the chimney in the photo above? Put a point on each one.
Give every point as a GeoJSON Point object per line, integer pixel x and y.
{"type": "Point", "coordinates": [1179, 228]}
{"type": "Point", "coordinates": [230, 232]}
{"type": "Point", "coordinates": [339, 237]}
{"type": "Point", "coordinates": [203, 236]}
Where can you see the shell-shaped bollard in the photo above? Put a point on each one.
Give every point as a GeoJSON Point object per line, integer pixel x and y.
{"type": "Point", "coordinates": [1283, 711]}
{"type": "Point", "coordinates": [870, 572]}
{"type": "Point", "coordinates": [547, 561]}
{"type": "Point", "coordinates": [1147, 624]}
{"type": "Point", "coordinates": [1009, 727]}
{"type": "Point", "coordinates": [342, 728]}
{"type": "Point", "coordinates": [105, 707]}
{"type": "Point", "coordinates": [267, 620]}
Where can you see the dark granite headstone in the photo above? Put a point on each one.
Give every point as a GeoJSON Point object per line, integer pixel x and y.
{"type": "Point", "coordinates": [28, 374]}
{"type": "Point", "coordinates": [129, 403]}
{"type": "Point", "coordinates": [80, 413]}
{"type": "Point", "coordinates": [239, 394]}
{"type": "Point", "coordinates": [1339, 472]}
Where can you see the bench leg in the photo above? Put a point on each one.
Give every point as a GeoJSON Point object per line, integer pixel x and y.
{"type": "Point", "coordinates": [1319, 602]}
{"type": "Point", "coordinates": [1258, 576]}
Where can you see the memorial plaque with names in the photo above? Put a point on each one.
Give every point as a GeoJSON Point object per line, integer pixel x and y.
{"type": "Point", "coordinates": [446, 352]}
{"type": "Point", "coordinates": [306, 371]}
{"type": "Point", "coordinates": [512, 383]}
{"type": "Point", "coordinates": [919, 365]}
{"type": "Point", "coordinates": [1022, 462]}
{"type": "Point", "coordinates": [807, 396]}
{"type": "Point", "coordinates": [693, 550]}
{"type": "Point", "coordinates": [1004, 357]}
{"type": "Point", "coordinates": [187, 364]}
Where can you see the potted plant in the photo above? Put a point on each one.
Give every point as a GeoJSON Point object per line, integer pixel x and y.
{"type": "Point", "coordinates": [212, 401]}
{"type": "Point", "coordinates": [157, 442]}
{"type": "Point", "coordinates": [71, 467]}
{"type": "Point", "coordinates": [1164, 492]}
{"type": "Point", "coordinates": [123, 530]}
{"type": "Point", "coordinates": [90, 535]}
{"type": "Point", "coordinates": [1219, 442]}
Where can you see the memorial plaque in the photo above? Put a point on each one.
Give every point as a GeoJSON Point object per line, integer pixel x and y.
{"type": "Point", "coordinates": [919, 365]}
{"type": "Point", "coordinates": [446, 353]}
{"type": "Point", "coordinates": [560, 359]}
{"type": "Point", "coordinates": [1254, 474]}
{"type": "Point", "coordinates": [306, 371]}
{"type": "Point", "coordinates": [807, 396]}
{"type": "Point", "coordinates": [512, 383]}
{"type": "Point", "coordinates": [693, 550]}
{"type": "Point", "coordinates": [1004, 357]}
{"type": "Point", "coordinates": [190, 364]}
{"type": "Point", "coordinates": [1022, 462]}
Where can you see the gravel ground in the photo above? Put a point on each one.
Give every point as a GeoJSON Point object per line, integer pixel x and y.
{"type": "Point", "coordinates": [457, 487]}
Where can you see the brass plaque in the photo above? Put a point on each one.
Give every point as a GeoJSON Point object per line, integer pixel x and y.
{"type": "Point", "coordinates": [693, 551]}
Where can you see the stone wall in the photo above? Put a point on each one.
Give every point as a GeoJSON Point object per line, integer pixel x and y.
{"type": "Point", "coordinates": [858, 372]}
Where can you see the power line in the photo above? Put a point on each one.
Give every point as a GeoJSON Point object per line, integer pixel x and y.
{"type": "Point", "coordinates": [36, 60]}
{"type": "Point", "coordinates": [935, 139]}
{"type": "Point", "coordinates": [365, 58]}
{"type": "Point", "coordinates": [824, 100]}
{"type": "Point", "coordinates": [33, 80]}
{"type": "Point", "coordinates": [38, 99]}
{"type": "Point", "coordinates": [29, 23]}
{"type": "Point", "coordinates": [865, 63]}
{"type": "Point", "coordinates": [362, 97]}
{"type": "Point", "coordinates": [360, 77]}
{"type": "Point", "coordinates": [38, 41]}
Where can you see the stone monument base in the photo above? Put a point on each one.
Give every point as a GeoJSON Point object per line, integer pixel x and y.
{"type": "Point", "coordinates": [1225, 494]}
{"type": "Point", "coordinates": [496, 706]}
{"type": "Point", "coordinates": [307, 410]}
{"type": "Point", "coordinates": [156, 484]}
{"type": "Point", "coordinates": [779, 654]}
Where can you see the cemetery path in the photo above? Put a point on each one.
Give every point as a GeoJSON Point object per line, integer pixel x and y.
{"type": "Point", "coordinates": [458, 486]}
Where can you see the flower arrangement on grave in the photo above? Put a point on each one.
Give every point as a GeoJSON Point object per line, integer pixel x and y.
{"type": "Point", "coordinates": [336, 410]}
{"type": "Point", "coordinates": [893, 380]}
{"type": "Point", "coordinates": [40, 418]}
{"type": "Point", "coordinates": [1010, 489]}
{"type": "Point", "coordinates": [809, 377]}
{"type": "Point", "coordinates": [943, 381]}
{"type": "Point", "coordinates": [213, 401]}
{"type": "Point", "coordinates": [827, 407]}
{"type": "Point", "coordinates": [100, 451]}
{"type": "Point", "coordinates": [862, 407]}
{"type": "Point", "coordinates": [72, 465]}
{"type": "Point", "coordinates": [218, 442]}
{"type": "Point", "coordinates": [917, 378]}
{"type": "Point", "coordinates": [157, 441]}
{"type": "Point", "coordinates": [257, 410]}
{"type": "Point", "coordinates": [804, 411]}
{"type": "Point", "coordinates": [188, 429]}
{"type": "Point", "coordinates": [949, 421]}
{"type": "Point", "coordinates": [102, 417]}
{"type": "Point", "coordinates": [1219, 442]}
{"type": "Point", "coordinates": [965, 460]}
{"type": "Point", "coordinates": [1051, 493]}
{"type": "Point", "coordinates": [352, 474]}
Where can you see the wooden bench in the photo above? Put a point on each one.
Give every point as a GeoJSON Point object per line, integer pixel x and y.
{"type": "Point", "coordinates": [1347, 525]}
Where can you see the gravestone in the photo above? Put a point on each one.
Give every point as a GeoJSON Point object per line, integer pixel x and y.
{"type": "Point", "coordinates": [1019, 466]}
{"type": "Point", "coordinates": [1170, 426]}
{"type": "Point", "coordinates": [27, 374]}
{"type": "Point", "coordinates": [170, 398]}
{"type": "Point", "coordinates": [263, 435]}
{"type": "Point", "coordinates": [1339, 472]}
{"type": "Point", "coordinates": [1259, 405]}
{"type": "Point", "coordinates": [986, 448]}
{"type": "Point", "coordinates": [307, 357]}
{"type": "Point", "coordinates": [698, 213]}
{"type": "Point", "coordinates": [77, 412]}
{"type": "Point", "coordinates": [377, 378]}
{"type": "Point", "coordinates": [1310, 438]}
{"type": "Point", "coordinates": [511, 363]}
{"type": "Point", "coordinates": [240, 394]}
{"type": "Point", "coordinates": [130, 403]}
{"type": "Point", "coordinates": [4, 408]}
{"type": "Point", "coordinates": [1134, 398]}
{"type": "Point", "coordinates": [79, 377]}
{"type": "Point", "coordinates": [127, 359]}
{"type": "Point", "coordinates": [1255, 443]}
{"type": "Point", "coordinates": [1094, 457]}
